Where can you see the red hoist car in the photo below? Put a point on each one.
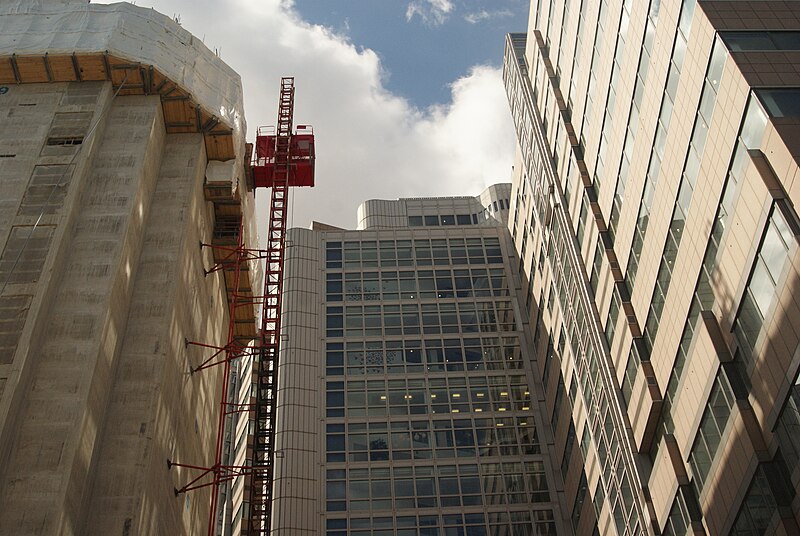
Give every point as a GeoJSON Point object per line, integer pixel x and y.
{"type": "Point", "coordinates": [301, 157]}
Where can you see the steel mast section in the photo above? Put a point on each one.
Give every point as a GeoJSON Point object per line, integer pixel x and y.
{"type": "Point", "coordinates": [282, 159]}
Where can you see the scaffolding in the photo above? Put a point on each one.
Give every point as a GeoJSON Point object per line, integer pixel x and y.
{"type": "Point", "coordinates": [283, 159]}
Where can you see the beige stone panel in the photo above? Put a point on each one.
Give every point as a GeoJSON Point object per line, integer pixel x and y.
{"type": "Point", "coordinates": [676, 146]}
{"type": "Point", "coordinates": [743, 235]}
{"type": "Point", "coordinates": [605, 523]}
{"type": "Point", "coordinates": [662, 483]}
{"type": "Point", "coordinates": [566, 48]}
{"type": "Point", "coordinates": [645, 132]}
{"type": "Point", "coordinates": [782, 160]}
{"type": "Point", "coordinates": [605, 287]}
{"type": "Point", "coordinates": [639, 407]}
{"type": "Point", "coordinates": [601, 67]}
{"type": "Point", "coordinates": [300, 448]}
{"type": "Point", "coordinates": [692, 395]}
{"type": "Point", "coordinates": [591, 465]}
{"type": "Point", "coordinates": [620, 355]}
{"type": "Point", "coordinates": [584, 55]}
{"type": "Point", "coordinates": [708, 188]}
{"type": "Point", "coordinates": [625, 86]}
{"type": "Point", "coordinates": [792, 186]}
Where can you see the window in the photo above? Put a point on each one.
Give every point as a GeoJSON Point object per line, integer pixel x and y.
{"type": "Point", "coordinates": [757, 508]}
{"type": "Point", "coordinates": [25, 253]}
{"type": "Point", "coordinates": [613, 315]}
{"type": "Point", "coordinates": [788, 428]}
{"type": "Point", "coordinates": [745, 41]}
{"type": "Point", "coordinates": [580, 496]}
{"type": "Point", "coordinates": [65, 141]}
{"type": "Point", "coordinates": [333, 255]}
{"type": "Point", "coordinates": [558, 402]}
{"type": "Point", "coordinates": [582, 218]}
{"type": "Point", "coordinates": [424, 486]}
{"type": "Point", "coordinates": [334, 359]}
{"type": "Point", "coordinates": [357, 358]}
{"type": "Point", "coordinates": [631, 370]}
{"type": "Point", "coordinates": [709, 433]}
{"type": "Point", "coordinates": [67, 131]}
{"type": "Point", "coordinates": [570, 443]}
{"type": "Point", "coordinates": [597, 265]}
{"type": "Point", "coordinates": [424, 252]}
{"type": "Point", "coordinates": [678, 521]}
{"type": "Point", "coordinates": [13, 311]}
{"type": "Point", "coordinates": [773, 253]}
{"type": "Point", "coordinates": [334, 322]}
{"type": "Point", "coordinates": [784, 102]}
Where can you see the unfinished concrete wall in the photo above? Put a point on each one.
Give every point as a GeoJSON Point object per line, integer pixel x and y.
{"type": "Point", "coordinates": [76, 336]}
{"type": "Point", "coordinates": [101, 281]}
{"type": "Point", "coordinates": [158, 411]}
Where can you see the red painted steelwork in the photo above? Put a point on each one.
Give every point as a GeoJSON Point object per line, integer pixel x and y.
{"type": "Point", "coordinates": [283, 159]}
{"type": "Point", "coordinates": [218, 473]}
{"type": "Point", "coordinates": [301, 157]}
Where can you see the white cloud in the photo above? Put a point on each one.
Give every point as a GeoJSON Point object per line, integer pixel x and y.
{"type": "Point", "coordinates": [370, 142]}
{"type": "Point", "coordinates": [482, 15]}
{"type": "Point", "coordinates": [431, 12]}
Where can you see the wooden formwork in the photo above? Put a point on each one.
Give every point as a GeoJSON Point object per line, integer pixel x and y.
{"type": "Point", "coordinates": [181, 112]}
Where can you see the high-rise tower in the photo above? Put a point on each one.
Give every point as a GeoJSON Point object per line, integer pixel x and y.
{"type": "Point", "coordinates": [654, 209]}
{"type": "Point", "coordinates": [407, 402]}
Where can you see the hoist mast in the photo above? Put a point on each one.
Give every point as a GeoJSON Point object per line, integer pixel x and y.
{"type": "Point", "coordinates": [283, 159]}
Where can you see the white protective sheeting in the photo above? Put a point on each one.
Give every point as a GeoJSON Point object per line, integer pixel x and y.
{"type": "Point", "coordinates": [33, 27]}
{"type": "Point", "coordinates": [221, 171]}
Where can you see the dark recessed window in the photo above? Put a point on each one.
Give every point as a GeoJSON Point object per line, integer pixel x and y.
{"type": "Point", "coordinates": [67, 141]}
{"type": "Point", "coordinates": [749, 41]}
{"type": "Point", "coordinates": [780, 102]}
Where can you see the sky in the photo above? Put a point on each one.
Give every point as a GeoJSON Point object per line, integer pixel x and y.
{"type": "Point", "coordinates": [405, 96]}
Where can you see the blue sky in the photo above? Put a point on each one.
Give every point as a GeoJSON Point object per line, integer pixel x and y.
{"type": "Point", "coordinates": [405, 96]}
{"type": "Point", "coordinates": [422, 54]}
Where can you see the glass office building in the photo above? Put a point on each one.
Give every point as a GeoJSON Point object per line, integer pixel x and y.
{"type": "Point", "coordinates": [654, 211]}
{"type": "Point", "coordinates": [408, 401]}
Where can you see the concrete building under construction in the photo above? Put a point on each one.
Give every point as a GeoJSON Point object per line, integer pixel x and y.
{"type": "Point", "coordinates": [121, 152]}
